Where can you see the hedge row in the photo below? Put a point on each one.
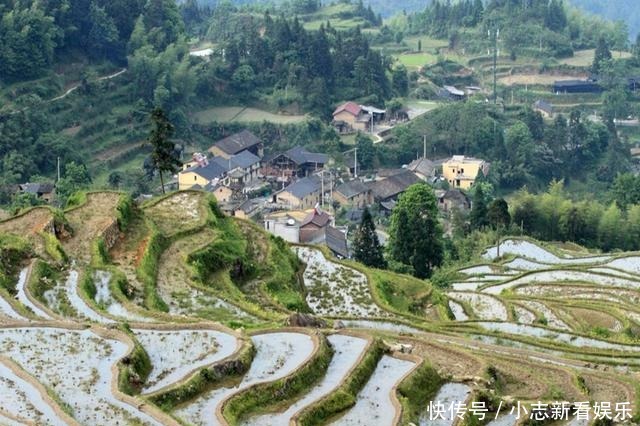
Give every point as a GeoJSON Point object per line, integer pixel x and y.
{"type": "Point", "coordinates": [205, 379]}
{"type": "Point", "coordinates": [265, 397]}
{"type": "Point", "coordinates": [345, 396]}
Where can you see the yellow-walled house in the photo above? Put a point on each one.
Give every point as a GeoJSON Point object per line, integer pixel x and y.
{"type": "Point", "coordinates": [201, 175]}
{"type": "Point", "coordinates": [461, 172]}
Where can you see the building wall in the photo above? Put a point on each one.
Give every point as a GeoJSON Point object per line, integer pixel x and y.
{"type": "Point", "coordinates": [288, 233]}
{"type": "Point", "coordinates": [294, 202]}
{"type": "Point", "coordinates": [189, 179]}
{"type": "Point", "coordinates": [352, 120]}
{"type": "Point", "coordinates": [311, 234]}
{"type": "Point", "coordinates": [461, 175]}
{"type": "Point", "coordinates": [360, 200]}
{"type": "Point", "coordinates": [223, 194]}
{"type": "Point", "coordinates": [217, 152]}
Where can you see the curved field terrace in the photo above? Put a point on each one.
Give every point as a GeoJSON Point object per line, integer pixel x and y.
{"type": "Point", "coordinates": [171, 313]}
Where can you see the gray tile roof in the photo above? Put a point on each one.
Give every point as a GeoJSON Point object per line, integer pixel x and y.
{"type": "Point", "coordinates": [393, 185]}
{"type": "Point", "coordinates": [352, 189]}
{"type": "Point", "coordinates": [423, 166]}
{"type": "Point", "coordinates": [238, 142]}
{"type": "Point", "coordinates": [301, 156]}
{"type": "Point", "coordinates": [305, 186]}
{"type": "Point", "coordinates": [336, 240]}
{"type": "Point", "coordinates": [211, 171]}
{"type": "Point", "coordinates": [243, 160]}
{"type": "Point", "coordinates": [37, 188]}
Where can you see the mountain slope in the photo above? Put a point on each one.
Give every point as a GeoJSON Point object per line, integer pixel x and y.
{"type": "Point", "coordinates": [623, 10]}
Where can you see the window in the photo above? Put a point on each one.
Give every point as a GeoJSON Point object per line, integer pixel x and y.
{"type": "Point", "coordinates": [195, 178]}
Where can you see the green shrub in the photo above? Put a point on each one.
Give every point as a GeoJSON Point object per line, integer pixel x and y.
{"type": "Point", "coordinates": [88, 285]}
{"type": "Point", "coordinates": [76, 199]}
{"type": "Point", "coordinates": [53, 247]}
{"type": "Point", "coordinates": [148, 270]}
{"type": "Point", "coordinates": [345, 396]}
{"type": "Point", "coordinates": [125, 211]}
{"type": "Point", "coordinates": [40, 280]}
{"type": "Point", "coordinates": [419, 388]}
{"type": "Point", "coordinates": [205, 379]}
{"type": "Point", "coordinates": [13, 251]}
{"type": "Point", "coordinates": [99, 252]}
{"type": "Point", "coordinates": [134, 368]}
{"type": "Point", "coordinates": [264, 397]}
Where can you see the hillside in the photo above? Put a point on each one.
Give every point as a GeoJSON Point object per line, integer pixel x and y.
{"type": "Point", "coordinates": [615, 10]}
{"type": "Point", "coordinates": [169, 312]}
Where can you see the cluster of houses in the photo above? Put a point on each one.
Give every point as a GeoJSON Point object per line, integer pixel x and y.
{"type": "Point", "coordinates": [303, 191]}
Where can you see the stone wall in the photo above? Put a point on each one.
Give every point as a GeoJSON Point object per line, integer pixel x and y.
{"type": "Point", "coordinates": [111, 234]}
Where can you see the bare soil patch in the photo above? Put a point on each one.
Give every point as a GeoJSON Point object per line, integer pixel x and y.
{"type": "Point", "coordinates": [88, 222]}
{"type": "Point", "coordinates": [536, 79]}
{"type": "Point", "coordinates": [179, 212]}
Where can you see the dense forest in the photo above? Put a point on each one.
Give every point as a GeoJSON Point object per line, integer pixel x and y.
{"type": "Point", "coordinates": [536, 28]}
{"type": "Point", "coordinates": [260, 56]}
{"type": "Point", "coordinates": [616, 10]}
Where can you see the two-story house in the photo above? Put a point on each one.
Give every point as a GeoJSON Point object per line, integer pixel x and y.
{"type": "Point", "coordinates": [462, 172]}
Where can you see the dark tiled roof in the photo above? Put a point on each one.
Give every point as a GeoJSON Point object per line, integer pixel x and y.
{"type": "Point", "coordinates": [388, 205]}
{"type": "Point", "coordinates": [352, 189]}
{"type": "Point", "coordinates": [456, 195]}
{"type": "Point", "coordinates": [239, 142]}
{"type": "Point", "coordinates": [37, 188]}
{"type": "Point", "coordinates": [305, 186]}
{"type": "Point", "coordinates": [300, 155]}
{"type": "Point", "coordinates": [316, 217]}
{"type": "Point", "coordinates": [393, 185]}
{"type": "Point", "coordinates": [336, 240]}
{"type": "Point", "coordinates": [544, 106]}
{"type": "Point", "coordinates": [423, 166]}
{"type": "Point", "coordinates": [385, 173]}
{"type": "Point", "coordinates": [244, 160]}
{"type": "Point", "coordinates": [249, 205]}
{"type": "Point", "coordinates": [211, 171]}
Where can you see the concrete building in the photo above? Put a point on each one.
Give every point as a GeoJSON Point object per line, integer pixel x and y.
{"type": "Point", "coordinates": [461, 172]}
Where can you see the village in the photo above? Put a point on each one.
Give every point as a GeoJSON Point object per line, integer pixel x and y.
{"type": "Point", "coordinates": [307, 197]}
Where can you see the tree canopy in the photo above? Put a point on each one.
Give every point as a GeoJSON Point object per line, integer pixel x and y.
{"type": "Point", "coordinates": [415, 231]}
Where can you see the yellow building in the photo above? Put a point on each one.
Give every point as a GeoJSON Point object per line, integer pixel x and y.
{"type": "Point", "coordinates": [461, 172]}
{"type": "Point", "coordinates": [201, 176]}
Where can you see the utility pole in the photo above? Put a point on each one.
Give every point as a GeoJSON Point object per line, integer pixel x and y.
{"type": "Point", "coordinates": [424, 147]}
{"type": "Point", "coordinates": [495, 33]}
{"type": "Point", "coordinates": [355, 163]}
{"type": "Point", "coordinates": [322, 188]}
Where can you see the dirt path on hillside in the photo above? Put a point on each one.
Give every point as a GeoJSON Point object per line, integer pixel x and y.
{"type": "Point", "coordinates": [75, 87]}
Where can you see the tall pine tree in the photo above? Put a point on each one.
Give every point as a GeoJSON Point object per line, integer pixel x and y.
{"type": "Point", "coordinates": [163, 150]}
{"type": "Point", "coordinates": [366, 247]}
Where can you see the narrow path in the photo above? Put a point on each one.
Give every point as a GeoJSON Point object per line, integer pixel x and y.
{"type": "Point", "coordinates": [74, 88]}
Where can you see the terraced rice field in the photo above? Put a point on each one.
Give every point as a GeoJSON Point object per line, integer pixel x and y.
{"type": "Point", "coordinates": [81, 344]}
